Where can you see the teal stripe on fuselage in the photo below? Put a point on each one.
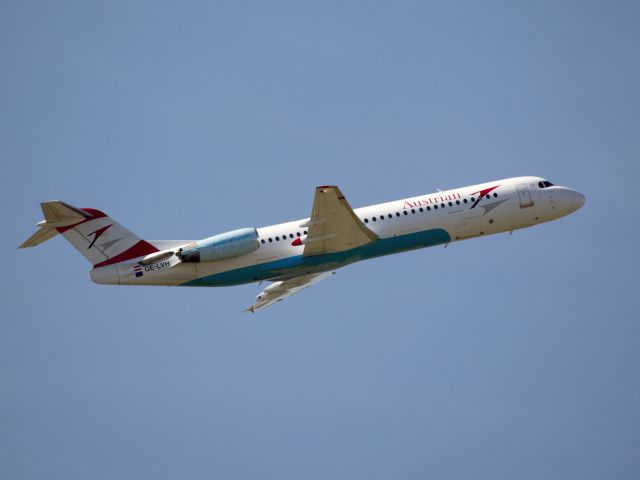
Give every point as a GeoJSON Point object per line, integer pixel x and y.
{"type": "Point", "coordinates": [300, 265]}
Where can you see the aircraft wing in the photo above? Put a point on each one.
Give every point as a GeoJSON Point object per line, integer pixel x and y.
{"type": "Point", "coordinates": [333, 226]}
{"type": "Point", "coordinates": [282, 289]}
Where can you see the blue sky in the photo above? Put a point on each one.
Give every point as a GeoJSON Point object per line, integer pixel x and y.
{"type": "Point", "coordinates": [501, 357]}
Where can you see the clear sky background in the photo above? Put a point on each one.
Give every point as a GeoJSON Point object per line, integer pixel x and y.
{"type": "Point", "coordinates": [502, 357]}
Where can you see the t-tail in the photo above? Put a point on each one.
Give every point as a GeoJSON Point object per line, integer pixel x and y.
{"type": "Point", "coordinates": [98, 237]}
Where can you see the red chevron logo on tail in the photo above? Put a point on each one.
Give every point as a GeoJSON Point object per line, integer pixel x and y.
{"type": "Point", "coordinates": [98, 233]}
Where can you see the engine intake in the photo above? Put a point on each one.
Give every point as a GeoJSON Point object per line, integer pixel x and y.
{"type": "Point", "coordinates": [221, 247]}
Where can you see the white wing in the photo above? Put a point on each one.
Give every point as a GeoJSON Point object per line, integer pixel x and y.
{"type": "Point", "coordinates": [333, 226]}
{"type": "Point", "coordinates": [282, 289]}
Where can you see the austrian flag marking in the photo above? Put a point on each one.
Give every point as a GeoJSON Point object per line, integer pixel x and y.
{"type": "Point", "coordinates": [137, 269]}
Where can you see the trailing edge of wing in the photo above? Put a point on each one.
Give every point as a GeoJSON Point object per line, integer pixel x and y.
{"type": "Point", "coordinates": [284, 288]}
{"type": "Point", "coordinates": [333, 225]}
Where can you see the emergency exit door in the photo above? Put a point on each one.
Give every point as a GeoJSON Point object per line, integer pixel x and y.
{"type": "Point", "coordinates": [524, 195]}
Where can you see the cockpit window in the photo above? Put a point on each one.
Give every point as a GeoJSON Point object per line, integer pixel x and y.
{"type": "Point", "coordinates": [545, 184]}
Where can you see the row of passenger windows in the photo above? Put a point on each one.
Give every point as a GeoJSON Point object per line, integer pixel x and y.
{"type": "Point", "coordinates": [283, 238]}
{"type": "Point", "coordinates": [545, 184]}
{"type": "Point", "coordinates": [381, 217]}
{"type": "Point", "coordinates": [428, 208]}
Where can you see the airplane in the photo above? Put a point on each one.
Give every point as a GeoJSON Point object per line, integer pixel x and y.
{"type": "Point", "coordinates": [295, 255]}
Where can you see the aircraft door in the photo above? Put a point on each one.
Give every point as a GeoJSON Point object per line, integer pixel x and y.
{"type": "Point", "coordinates": [524, 195]}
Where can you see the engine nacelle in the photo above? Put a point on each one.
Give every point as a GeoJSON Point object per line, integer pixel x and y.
{"type": "Point", "coordinates": [221, 247]}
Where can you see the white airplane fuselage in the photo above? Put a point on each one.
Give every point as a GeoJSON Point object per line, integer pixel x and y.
{"type": "Point", "coordinates": [401, 225]}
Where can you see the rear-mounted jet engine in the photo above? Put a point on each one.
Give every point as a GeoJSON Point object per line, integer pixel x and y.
{"type": "Point", "coordinates": [221, 247]}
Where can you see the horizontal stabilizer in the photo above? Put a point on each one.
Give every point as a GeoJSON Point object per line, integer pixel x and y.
{"type": "Point", "coordinates": [56, 214]}
{"type": "Point", "coordinates": [42, 235]}
{"type": "Point", "coordinates": [59, 214]}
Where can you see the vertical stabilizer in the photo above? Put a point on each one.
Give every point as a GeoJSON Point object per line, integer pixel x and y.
{"type": "Point", "coordinates": [98, 237]}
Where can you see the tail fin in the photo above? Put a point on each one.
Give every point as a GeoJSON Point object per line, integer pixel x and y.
{"type": "Point", "coordinates": [101, 240]}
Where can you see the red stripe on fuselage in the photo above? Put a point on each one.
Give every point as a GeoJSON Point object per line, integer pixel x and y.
{"type": "Point", "coordinates": [138, 250]}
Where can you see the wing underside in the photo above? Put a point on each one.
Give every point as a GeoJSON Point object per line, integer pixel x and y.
{"type": "Point", "coordinates": [284, 288]}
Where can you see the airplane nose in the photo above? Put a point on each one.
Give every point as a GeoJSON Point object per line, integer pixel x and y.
{"type": "Point", "coordinates": [565, 200]}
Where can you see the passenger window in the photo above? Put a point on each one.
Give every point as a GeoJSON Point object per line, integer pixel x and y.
{"type": "Point", "coordinates": [413, 210]}
{"type": "Point", "coordinates": [397, 214]}
{"type": "Point", "coordinates": [390, 216]}
{"type": "Point", "coordinates": [405, 212]}
{"type": "Point", "coordinates": [450, 204]}
{"type": "Point", "coordinates": [270, 239]}
{"type": "Point", "coordinates": [495, 195]}
{"type": "Point", "coordinates": [373, 218]}
{"type": "Point", "coordinates": [381, 217]}
{"type": "Point", "coordinates": [421, 209]}
{"type": "Point", "coordinates": [428, 209]}
{"type": "Point", "coordinates": [366, 220]}
{"type": "Point", "coordinates": [277, 239]}
{"type": "Point", "coordinates": [262, 241]}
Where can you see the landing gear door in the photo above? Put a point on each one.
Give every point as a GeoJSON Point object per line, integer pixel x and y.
{"type": "Point", "coordinates": [524, 195]}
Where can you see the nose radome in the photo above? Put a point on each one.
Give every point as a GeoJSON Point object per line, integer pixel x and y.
{"type": "Point", "coordinates": [578, 199]}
